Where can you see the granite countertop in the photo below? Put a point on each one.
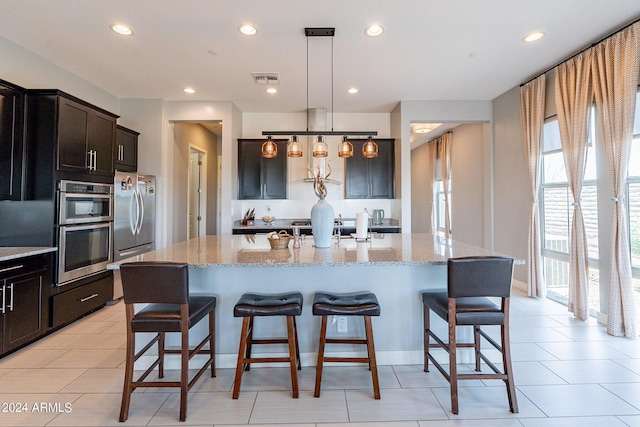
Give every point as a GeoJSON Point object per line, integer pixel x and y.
{"type": "Point", "coordinates": [9, 252]}
{"type": "Point", "coordinates": [254, 250]}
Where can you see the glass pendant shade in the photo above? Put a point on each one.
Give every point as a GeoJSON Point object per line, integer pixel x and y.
{"type": "Point", "coordinates": [345, 149]}
{"type": "Point", "coordinates": [269, 149]}
{"type": "Point", "coordinates": [370, 149]}
{"type": "Point", "coordinates": [320, 148]}
{"type": "Point", "coordinates": [294, 148]}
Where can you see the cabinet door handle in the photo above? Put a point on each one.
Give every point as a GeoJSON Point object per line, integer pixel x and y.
{"type": "Point", "coordinates": [95, 160]}
{"type": "Point", "coordinates": [11, 298]}
{"type": "Point", "coordinates": [121, 152]}
{"type": "Point", "coordinates": [15, 267]}
{"type": "Point", "coordinates": [88, 298]}
{"type": "Point", "coordinates": [4, 299]}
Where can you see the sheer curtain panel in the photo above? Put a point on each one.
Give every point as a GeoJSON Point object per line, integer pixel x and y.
{"type": "Point", "coordinates": [615, 66]}
{"type": "Point", "coordinates": [574, 99]}
{"type": "Point", "coordinates": [532, 96]}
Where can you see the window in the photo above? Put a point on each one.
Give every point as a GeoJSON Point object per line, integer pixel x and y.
{"type": "Point", "coordinates": [556, 215]}
{"type": "Point", "coordinates": [633, 203]}
{"type": "Point", "coordinates": [440, 218]}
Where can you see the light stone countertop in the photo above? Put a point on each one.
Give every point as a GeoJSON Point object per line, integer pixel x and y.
{"type": "Point", "coordinates": [10, 252]}
{"type": "Point", "coordinates": [255, 251]}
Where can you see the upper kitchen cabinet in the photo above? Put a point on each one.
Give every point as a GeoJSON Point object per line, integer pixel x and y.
{"type": "Point", "coordinates": [370, 178]}
{"type": "Point", "coordinates": [12, 102]}
{"type": "Point", "coordinates": [260, 178]}
{"type": "Point", "coordinates": [68, 139]}
{"type": "Point", "coordinates": [126, 149]}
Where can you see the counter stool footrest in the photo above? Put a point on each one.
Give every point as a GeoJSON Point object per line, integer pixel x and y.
{"type": "Point", "coordinates": [346, 359]}
{"type": "Point", "coordinates": [344, 341]}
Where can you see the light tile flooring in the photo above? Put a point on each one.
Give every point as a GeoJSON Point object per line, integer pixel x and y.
{"type": "Point", "coordinates": [568, 373]}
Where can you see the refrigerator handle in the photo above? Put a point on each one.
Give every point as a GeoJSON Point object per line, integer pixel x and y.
{"type": "Point", "coordinates": [133, 212]}
{"type": "Point", "coordinates": [141, 210]}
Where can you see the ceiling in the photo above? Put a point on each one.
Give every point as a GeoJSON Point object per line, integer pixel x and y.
{"type": "Point", "coordinates": [430, 50]}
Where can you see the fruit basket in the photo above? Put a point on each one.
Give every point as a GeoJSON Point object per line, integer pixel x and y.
{"type": "Point", "coordinates": [279, 240]}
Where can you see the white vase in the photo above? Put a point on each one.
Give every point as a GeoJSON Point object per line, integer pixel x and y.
{"type": "Point", "coordinates": [322, 219]}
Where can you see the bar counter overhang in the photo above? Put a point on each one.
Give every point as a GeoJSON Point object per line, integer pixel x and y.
{"type": "Point", "coordinates": [396, 267]}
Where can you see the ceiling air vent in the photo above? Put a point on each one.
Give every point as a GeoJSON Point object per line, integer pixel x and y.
{"type": "Point", "coordinates": [266, 78]}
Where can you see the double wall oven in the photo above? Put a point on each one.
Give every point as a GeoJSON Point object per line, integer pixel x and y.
{"type": "Point", "coordinates": [85, 229]}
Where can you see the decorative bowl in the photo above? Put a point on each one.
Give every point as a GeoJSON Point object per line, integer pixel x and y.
{"type": "Point", "coordinates": [268, 219]}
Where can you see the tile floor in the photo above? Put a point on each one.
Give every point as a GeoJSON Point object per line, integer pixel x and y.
{"type": "Point", "coordinates": [568, 373]}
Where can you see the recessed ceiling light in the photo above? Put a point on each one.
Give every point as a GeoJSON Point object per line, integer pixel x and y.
{"type": "Point", "coordinates": [272, 90]}
{"type": "Point", "coordinates": [374, 30]}
{"type": "Point", "coordinates": [121, 29]}
{"type": "Point", "coordinates": [533, 37]}
{"type": "Point", "coordinates": [189, 90]}
{"type": "Point", "coordinates": [352, 90]}
{"type": "Point", "coordinates": [424, 127]}
{"type": "Point", "coordinates": [248, 30]}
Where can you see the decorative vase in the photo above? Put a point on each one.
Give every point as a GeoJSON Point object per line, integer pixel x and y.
{"type": "Point", "coordinates": [322, 219]}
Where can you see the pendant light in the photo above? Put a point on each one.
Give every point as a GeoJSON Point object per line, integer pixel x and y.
{"type": "Point", "coordinates": [345, 149]}
{"type": "Point", "coordinates": [294, 148]}
{"type": "Point", "coordinates": [320, 148]}
{"type": "Point", "coordinates": [269, 148]}
{"type": "Point", "coordinates": [370, 148]}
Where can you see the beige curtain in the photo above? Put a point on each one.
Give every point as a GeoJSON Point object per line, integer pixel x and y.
{"type": "Point", "coordinates": [615, 75]}
{"type": "Point", "coordinates": [574, 98]}
{"type": "Point", "coordinates": [433, 158]}
{"type": "Point", "coordinates": [445, 167]}
{"type": "Point", "coordinates": [532, 97]}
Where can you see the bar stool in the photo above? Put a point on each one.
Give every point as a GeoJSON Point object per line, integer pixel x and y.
{"type": "Point", "coordinates": [361, 304]}
{"type": "Point", "coordinates": [165, 288]}
{"type": "Point", "coordinates": [251, 305]}
{"type": "Point", "coordinates": [470, 283]}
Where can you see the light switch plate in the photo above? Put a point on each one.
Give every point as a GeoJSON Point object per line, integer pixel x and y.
{"type": "Point", "coordinates": [342, 324]}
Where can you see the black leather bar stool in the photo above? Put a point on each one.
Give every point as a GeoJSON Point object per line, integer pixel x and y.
{"type": "Point", "coordinates": [360, 304]}
{"type": "Point", "coordinates": [251, 305]}
{"type": "Point", "coordinates": [165, 288]}
{"type": "Point", "coordinates": [470, 283]}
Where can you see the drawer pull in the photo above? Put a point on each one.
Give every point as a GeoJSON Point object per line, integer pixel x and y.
{"type": "Point", "coordinates": [88, 298]}
{"type": "Point", "coordinates": [15, 267]}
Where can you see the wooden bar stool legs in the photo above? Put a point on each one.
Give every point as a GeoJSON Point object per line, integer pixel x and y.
{"type": "Point", "coordinates": [251, 305]}
{"type": "Point", "coordinates": [365, 305]}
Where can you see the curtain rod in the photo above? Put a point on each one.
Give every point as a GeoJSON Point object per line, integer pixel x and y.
{"type": "Point", "coordinates": [582, 51]}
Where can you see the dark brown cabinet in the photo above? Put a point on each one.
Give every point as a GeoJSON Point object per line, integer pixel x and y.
{"type": "Point", "coordinates": [370, 178]}
{"type": "Point", "coordinates": [67, 139]}
{"type": "Point", "coordinates": [126, 149]}
{"type": "Point", "coordinates": [24, 285]}
{"type": "Point", "coordinates": [12, 101]}
{"type": "Point", "coordinates": [260, 178]}
{"type": "Point", "coordinates": [85, 138]}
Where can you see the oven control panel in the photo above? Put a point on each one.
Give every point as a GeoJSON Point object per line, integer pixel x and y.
{"type": "Point", "coordinates": [85, 187]}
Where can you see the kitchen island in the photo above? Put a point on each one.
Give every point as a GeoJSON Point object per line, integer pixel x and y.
{"type": "Point", "coordinates": [396, 267]}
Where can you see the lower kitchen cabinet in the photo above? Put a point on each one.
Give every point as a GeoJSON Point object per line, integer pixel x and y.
{"type": "Point", "coordinates": [25, 284]}
{"type": "Point", "coordinates": [74, 303]}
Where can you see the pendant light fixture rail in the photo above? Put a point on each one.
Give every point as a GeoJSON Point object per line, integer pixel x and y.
{"type": "Point", "coordinates": [320, 149]}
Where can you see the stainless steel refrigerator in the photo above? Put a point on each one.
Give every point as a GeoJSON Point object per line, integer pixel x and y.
{"type": "Point", "coordinates": [133, 219]}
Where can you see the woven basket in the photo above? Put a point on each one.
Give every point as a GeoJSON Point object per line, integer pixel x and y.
{"type": "Point", "coordinates": [281, 242]}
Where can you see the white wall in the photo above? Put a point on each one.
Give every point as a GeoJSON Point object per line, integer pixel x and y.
{"type": "Point", "coordinates": [25, 68]}
{"type": "Point", "coordinates": [511, 181]}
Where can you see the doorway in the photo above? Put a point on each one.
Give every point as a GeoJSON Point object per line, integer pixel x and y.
{"type": "Point", "coordinates": [196, 223]}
